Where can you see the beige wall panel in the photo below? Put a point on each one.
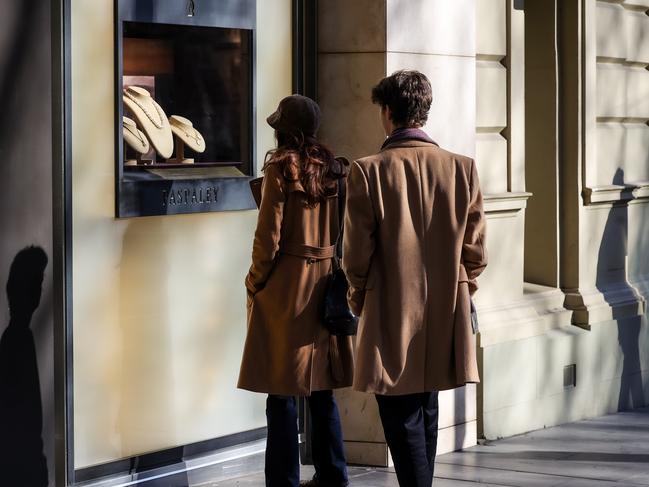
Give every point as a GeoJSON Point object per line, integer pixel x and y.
{"type": "Point", "coordinates": [457, 437]}
{"type": "Point", "coordinates": [511, 420]}
{"type": "Point", "coordinates": [637, 95]}
{"type": "Point", "coordinates": [561, 348]}
{"type": "Point", "coordinates": [339, 21]}
{"type": "Point", "coordinates": [491, 159]}
{"type": "Point", "coordinates": [274, 67]}
{"type": "Point", "coordinates": [623, 147]}
{"type": "Point", "coordinates": [503, 277]}
{"type": "Point", "coordinates": [491, 27]}
{"type": "Point", "coordinates": [636, 152]}
{"type": "Point", "coordinates": [611, 30]}
{"type": "Point", "coordinates": [610, 154]}
{"type": "Point", "coordinates": [159, 303]}
{"type": "Point", "coordinates": [599, 355]}
{"type": "Point", "coordinates": [451, 122]}
{"type": "Point", "coordinates": [351, 125]}
{"type": "Point", "coordinates": [622, 91]}
{"type": "Point", "coordinates": [491, 86]}
{"type": "Point", "coordinates": [359, 415]}
{"type": "Point", "coordinates": [637, 37]}
{"type": "Point", "coordinates": [457, 406]}
{"type": "Point", "coordinates": [611, 90]}
{"type": "Point", "coordinates": [518, 385]}
{"type": "Point", "coordinates": [431, 26]}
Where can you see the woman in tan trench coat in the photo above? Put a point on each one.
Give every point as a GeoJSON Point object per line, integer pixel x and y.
{"type": "Point", "coordinates": [288, 351]}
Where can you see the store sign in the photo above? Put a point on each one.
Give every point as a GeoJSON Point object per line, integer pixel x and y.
{"type": "Point", "coordinates": [195, 196]}
{"type": "Point", "coordinates": [163, 197]}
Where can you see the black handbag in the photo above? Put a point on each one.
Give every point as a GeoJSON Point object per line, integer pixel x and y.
{"type": "Point", "coordinates": [338, 318]}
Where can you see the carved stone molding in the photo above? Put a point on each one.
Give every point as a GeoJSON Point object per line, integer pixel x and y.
{"type": "Point", "coordinates": [616, 193]}
{"type": "Point", "coordinates": [539, 310]}
{"type": "Point", "coordinates": [505, 202]}
{"type": "Point", "coordinates": [614, 302]}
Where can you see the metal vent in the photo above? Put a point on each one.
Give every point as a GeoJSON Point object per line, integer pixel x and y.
{"type": "Point", "coordinates": [570, 375]}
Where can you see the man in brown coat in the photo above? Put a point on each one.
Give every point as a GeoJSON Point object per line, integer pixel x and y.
{"type": "Point", "coordinates": [414, 244]}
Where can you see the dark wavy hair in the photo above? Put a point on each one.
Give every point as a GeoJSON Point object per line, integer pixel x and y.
{"type": "Point", "coordinates": [408, 94]}
{"type": "Point", "coordinates": [302, 158]}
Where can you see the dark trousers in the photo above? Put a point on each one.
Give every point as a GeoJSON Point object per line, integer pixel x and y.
{"type": "Point", "coordinates": [282, 449]}
{"type": "Point", "coordinates": [410, 426]}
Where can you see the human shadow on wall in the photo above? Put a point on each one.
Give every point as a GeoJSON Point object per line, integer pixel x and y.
{"type": "Point", "coordinates": [22, 462]}
{"type": "Point", "coordinates": [612, 280]}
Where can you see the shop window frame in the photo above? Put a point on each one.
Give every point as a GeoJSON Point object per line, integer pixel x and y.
{"type": "Point", "coordinates": [134, 198]}
{"type": "Point", "coordinates": [62, 193]}
{"type": "Point", "coordinates": [305, 82]}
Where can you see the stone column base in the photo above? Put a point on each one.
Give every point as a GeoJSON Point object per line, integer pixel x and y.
{"type": "Point", "coordinates": [377, 454]}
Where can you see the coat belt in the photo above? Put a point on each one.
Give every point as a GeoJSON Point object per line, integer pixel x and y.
{"type": "Point", "coordinates": [308, 251]}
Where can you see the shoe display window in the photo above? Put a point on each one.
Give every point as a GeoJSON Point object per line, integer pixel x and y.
{"type": "Point", "coordinates": [185, 97]}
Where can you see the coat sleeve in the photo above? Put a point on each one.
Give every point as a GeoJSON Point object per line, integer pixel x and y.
{"type": "Point", "coordinates": [474, 251]}
{"type": "Point", "coordinates": [359, 237]}
{"type": "Point", "coordinates": [269, 228]}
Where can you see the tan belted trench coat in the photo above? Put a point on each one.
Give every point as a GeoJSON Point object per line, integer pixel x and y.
{"type": "Point", "coordinates": [414, 244]}
{"type": "Point", "coordinates": [288, 351]}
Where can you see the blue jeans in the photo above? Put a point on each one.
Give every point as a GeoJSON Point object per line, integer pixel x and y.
{"type": "Point", "coordinates": [282, 449]}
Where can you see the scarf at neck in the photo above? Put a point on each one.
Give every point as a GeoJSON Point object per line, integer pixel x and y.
{"type": "Point", "coordinates": [407, 133]}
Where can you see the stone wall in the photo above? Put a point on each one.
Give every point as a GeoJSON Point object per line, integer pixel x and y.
{"type": "Point", "coordinates": [552, 101]}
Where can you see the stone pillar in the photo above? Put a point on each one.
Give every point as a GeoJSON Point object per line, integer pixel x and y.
{"type": "Point", "coordinates": [610, 278]}
{"type": "Point", "coordinates": [359, 43]}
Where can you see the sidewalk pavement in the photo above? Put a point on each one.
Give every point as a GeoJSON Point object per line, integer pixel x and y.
{"type": "Point", "coordinates": [610, 451]}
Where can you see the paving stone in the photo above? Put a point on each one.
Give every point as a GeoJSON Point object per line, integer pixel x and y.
{"type": "Point", "coordinates": [592, 483]}
{"type": "Point", "coordinates": [611, 451]}
{"type": "Point", "coordinates": [482, 476]}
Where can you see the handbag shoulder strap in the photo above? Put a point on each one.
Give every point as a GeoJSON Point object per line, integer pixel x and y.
{"type": "Point", "coordinates": [342, 195]}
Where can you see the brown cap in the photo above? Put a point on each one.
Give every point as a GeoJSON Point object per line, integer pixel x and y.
{"type": "Point", "coordinates": [296, 113]}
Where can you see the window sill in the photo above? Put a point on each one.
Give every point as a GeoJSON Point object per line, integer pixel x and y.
{"type": "Point", "coordinates": [505, 203]}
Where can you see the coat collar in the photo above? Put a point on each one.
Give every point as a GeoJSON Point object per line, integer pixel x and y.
{"type": "Point", "coordinates": [407, 137]}
{"type": "Point", "coordinates": [407, 143]}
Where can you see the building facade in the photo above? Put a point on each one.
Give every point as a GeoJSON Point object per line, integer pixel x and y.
{"type": "Point", "coordinates": [140, 326]}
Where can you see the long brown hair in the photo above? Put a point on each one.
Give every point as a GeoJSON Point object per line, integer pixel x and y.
{"type": "Point", "coordinates": [302, 158]}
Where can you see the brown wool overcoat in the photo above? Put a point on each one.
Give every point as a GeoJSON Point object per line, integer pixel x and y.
{"type": "Point", "coordinates": [414, 244]}
{"type": "Point", "coordinates": [288, 351]}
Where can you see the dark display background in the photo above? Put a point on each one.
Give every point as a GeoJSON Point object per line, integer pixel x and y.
{"type": "Point", "coordinates": [203, 74]}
